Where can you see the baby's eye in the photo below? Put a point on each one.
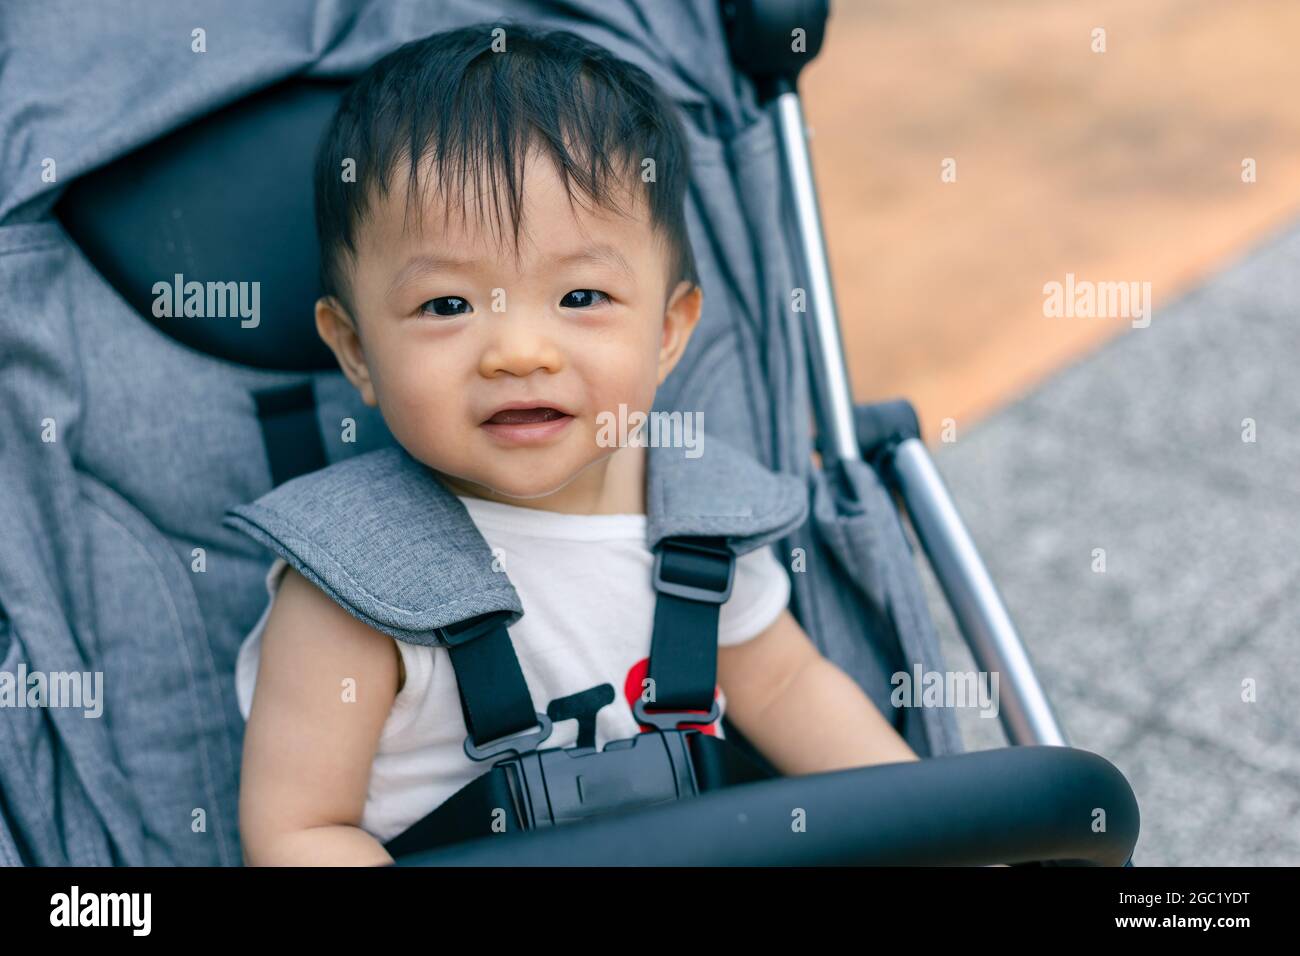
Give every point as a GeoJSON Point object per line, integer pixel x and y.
{"type": "Point", "coordinates": [446, 305]}
{"type": "Point", "coordinates": [583, 298]}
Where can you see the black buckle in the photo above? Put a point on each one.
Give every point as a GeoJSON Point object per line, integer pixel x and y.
{"type": "Point", "coordinates": [512, 743]}
{"type": "Point", "coordinates": [694, 592]}
{"type": "Point", "coordinates": [670, 719]}
{"type": "Point", "coordinates": [563, 785]}
{"type": "Point", "coordinates": [462, 632]}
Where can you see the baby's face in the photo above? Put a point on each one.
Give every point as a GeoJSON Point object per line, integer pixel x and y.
{"type": "Point", "coordinates": [453, 329]}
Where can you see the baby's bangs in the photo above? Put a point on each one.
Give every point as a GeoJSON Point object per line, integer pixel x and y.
{"type": "Point", "coordinates": [497, 122]}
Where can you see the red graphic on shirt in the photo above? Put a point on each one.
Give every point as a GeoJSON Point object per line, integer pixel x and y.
{"type": "Point", "coordinates": [634, 685]}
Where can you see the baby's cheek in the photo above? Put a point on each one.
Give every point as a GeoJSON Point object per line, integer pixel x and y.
{"type": "Point", "coordinates": [418, 385]}
{"type": "Point", "coordinates": [629, 379]}
{"type": "Point", "coordinates": [415, 406]}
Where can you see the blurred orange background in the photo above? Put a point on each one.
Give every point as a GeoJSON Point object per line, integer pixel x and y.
{"type": "Point", "coordinates": [1122, 165]}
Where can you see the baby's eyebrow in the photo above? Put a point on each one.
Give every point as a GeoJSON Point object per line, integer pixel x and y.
{"type": "Point", "coordinates": [421, 264]}
{"type": "Point", "coordinates": [598, 253]}
{"type": "Point", "coordinates": [424, 264]}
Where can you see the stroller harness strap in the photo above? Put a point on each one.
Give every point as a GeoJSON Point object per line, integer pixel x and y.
{"type": "Point", "coordinates": [384, 538]}
{"type": "Point", "coordinates": [693, 577]}
{"type": "Point", "coordinates": [535, 788]}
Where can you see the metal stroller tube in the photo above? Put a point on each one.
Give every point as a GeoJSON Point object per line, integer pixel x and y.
{"type": "Point", "coordinates": [1024, 710]}
{"type": "Point", "coordinates": [903, 459]}
{"type": "Point", "coordinates": [832, 397]}
{"type": "Point", "coordinates": [1011, 805]}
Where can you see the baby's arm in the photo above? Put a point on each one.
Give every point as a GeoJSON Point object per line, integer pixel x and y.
{"type": "Point", "coordinates": [803, 713]}
{"type": "Point", "coordinates": [308, 748]}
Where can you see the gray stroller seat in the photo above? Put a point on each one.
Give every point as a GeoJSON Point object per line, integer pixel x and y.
{"type": "Point", "coordinates": [125, 435]}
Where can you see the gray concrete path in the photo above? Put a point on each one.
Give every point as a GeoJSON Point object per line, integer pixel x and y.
{"type": "Point", "coordinates": [1138, 450]}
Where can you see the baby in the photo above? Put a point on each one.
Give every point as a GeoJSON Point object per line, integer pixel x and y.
{"type": "Point", "coordinates": [494, 341]}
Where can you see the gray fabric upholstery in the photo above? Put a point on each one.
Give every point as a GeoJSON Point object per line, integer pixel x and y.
{"type": "Point", "coordinates": [120, 449]}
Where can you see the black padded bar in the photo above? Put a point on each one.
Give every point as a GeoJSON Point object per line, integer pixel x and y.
{"type": "Point", "coordinates": [1011, 805]}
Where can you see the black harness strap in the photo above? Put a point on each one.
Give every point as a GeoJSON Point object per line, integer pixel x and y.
{"type": "Point", "coordinates": [494, 696]}
{"type": "Point", "coordinates": [720, 764]}
{"type": "Point", "coordinates": [473, 811]}
{"type": "Point", "coordinates": [693, 577]}
{"type": "Point", "coordinates": [290, 431]}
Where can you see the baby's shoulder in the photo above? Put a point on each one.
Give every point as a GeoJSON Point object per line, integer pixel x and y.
{"type": "Point", "coordinates": [304, 622]}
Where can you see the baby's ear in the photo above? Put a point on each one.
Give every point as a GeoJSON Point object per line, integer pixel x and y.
{"type": "Point", "coordinates": [681, 315]}
{"type": "Point", "coordinates": [338, 330]}
{"type": "Point", "coordinates": [688, 298]}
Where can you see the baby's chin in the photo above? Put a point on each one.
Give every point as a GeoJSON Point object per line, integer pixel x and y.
{"type": "Point", "coordinates": [521, 476]}
{"type": "Point", "coordinates": [527, 486]}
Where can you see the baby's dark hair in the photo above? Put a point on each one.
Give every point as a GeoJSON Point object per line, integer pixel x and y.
{"type": "Point", "coordinates": [476, 112]}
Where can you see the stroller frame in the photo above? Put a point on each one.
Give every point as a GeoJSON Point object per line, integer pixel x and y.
{"type": "Point", "coordinates": [905, 463]}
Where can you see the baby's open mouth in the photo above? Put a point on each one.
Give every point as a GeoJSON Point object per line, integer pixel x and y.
{"type": "Point", "coordinates": [516, 427]}
{"type": "Point", "coordinates": [525, 416]}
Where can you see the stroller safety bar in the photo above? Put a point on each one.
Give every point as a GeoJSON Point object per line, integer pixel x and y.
{"type": "Point", "coordinates": [1010, 805]}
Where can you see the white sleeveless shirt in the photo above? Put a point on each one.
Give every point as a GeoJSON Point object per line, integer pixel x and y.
{"type": "Point", "coordinates": [585, 585]}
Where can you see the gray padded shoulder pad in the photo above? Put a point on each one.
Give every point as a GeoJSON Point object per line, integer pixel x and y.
{"type": "Point", "coordinates": [386, 539]}
{"type": "Point", "coordinates": [382, 536]}
{"type": "Point", "coordinates": [724, 491]}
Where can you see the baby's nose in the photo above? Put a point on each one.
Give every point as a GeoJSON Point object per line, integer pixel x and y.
{"type": "Point", "coordinates": [517, 347]}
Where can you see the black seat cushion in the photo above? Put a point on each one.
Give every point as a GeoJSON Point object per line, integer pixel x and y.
{"type": "Point", "coordinates": [225, 199]}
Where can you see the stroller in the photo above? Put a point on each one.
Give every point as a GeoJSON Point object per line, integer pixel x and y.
{"type": "Point", "coordinates": [125, 435]}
